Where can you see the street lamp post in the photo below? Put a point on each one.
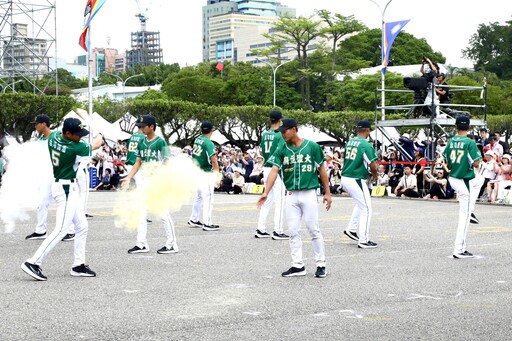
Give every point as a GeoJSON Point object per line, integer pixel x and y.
{"type": "Point", "coordinates": [383, 77]}
{"type": "Point", "coordinates": [10, 84]}
{"type": "Point", "coordinates": [123, 82]}
{"type": "Point", "coordinates": [274, 72]}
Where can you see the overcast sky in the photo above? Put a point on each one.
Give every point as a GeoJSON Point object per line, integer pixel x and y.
{"type": "Point", "coordinates": [447, 25]}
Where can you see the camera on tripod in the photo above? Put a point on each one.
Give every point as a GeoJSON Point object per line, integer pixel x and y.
{"type": "Point", "coordinates": [420, 87]}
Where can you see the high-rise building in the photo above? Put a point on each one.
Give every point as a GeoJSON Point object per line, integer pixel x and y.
{"type": "Point", "coordinates": [23, 54]}
{"type": "Point", "coordinates": [102, 60]}
{"type": "Point", "coordinates": [145, 49]}
{"type": "Point", "coordinates": [221, 19]}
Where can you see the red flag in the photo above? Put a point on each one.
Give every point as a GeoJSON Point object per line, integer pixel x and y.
{"type": "Point", "coordinates": [220, 65]}
{"type": "Point", "coordinates": [83, 39]}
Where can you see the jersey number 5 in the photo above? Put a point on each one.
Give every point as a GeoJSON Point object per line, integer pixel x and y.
{"type": "Point", "coordinates": [55, 158]}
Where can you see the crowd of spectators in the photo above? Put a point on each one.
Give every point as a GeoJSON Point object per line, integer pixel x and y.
{"type": "Point", "coordinates": [408, 171]}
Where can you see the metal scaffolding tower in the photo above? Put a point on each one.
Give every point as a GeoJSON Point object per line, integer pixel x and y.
{"type": "Point", "coordinates": [28, 33]}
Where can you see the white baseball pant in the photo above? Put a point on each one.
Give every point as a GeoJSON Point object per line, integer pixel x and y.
{"type": "Point", "coordinates": [362, 212]}
{"type": "Point", "coordinates": [303, 204]}
{"type": "Point", "coordinates": [204, 199]}
{"type": "Point", "coordinates": [467, 191]}
{"type": "Point", "coordinates": [45, 198]}
{"type": "Point", "coordinates": [277, 195]}
{"type": "Point", "coordinates": [69, 211]}
{"type": "Point", "coordinates": [142, 227]}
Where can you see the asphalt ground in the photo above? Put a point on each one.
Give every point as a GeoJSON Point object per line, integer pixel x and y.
{"type": "Point", "coordinates": [227, 285]}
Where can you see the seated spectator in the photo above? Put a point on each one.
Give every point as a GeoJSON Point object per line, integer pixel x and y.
{"type": "Point", "coordinates": [383, 178]}
{"type": "Point", "coordinates": [487, 171]}
{"type": "Point", "coordinates": [495, 146]}
{"type": "Point", "coordinates": [335, 178]}
{"type": "Point", "coordinates": [438, 187]}
{"type": "Point", "coordinates": [120, 172]}
{"type": "Point", "coordinates": [503, 173]}
{"type": "Point", "coordinates": [256, 175]}
{"type": "Point", "coordinates": [104, 185]}
{"type": "Point", "coordinates": [227, 175]}
{"type": "Point", "coordinates": [238, 182]}
{"type": "Point", "coordinates": [338, 157]}
{"type": "Point", "coordinates": [329, 158]}
{"type": "Point", "coordinates": [408, 184]}
{"type": "Point", "coordinates": [504, 144]}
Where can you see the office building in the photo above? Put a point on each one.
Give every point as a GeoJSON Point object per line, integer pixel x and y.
{"type": "Point", "coordinates": [24, 55]}
{"type": "Point", "coordinates": [221, 19]}
{"type": "Point", "coordinates": [103, 59]}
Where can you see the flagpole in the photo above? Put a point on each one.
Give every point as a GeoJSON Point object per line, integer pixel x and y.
{"type": "Point", "coordinates": [383, 74]}
{"type": "Point", "coordinates": [89, 77]}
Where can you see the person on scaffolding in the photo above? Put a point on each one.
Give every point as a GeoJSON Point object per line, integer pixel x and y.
{"type": "Point", "coordinates": [430, 73]}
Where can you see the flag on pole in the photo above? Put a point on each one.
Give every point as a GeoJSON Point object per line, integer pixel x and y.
{"type": "Point", "coordinates": [91, 8]}
{"type": "Point", "coordinates": [220, 65]}
{"type": "Point", "coordinates": [391, 30]}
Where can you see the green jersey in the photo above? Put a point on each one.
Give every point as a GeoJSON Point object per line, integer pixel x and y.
{"type": "Point", "coordinates": [66, 155]}
{"type": "Point", "coordinates": [133, 143]}
{"type": "Point", "coordinates": [202, 152]}
{"type": "Point", "coordinates": [359, 153]}
{"type": "Point", "coordinates": [460, 154]}
{"type": "Point", "coordinates": [270, 140]}
{"type": "Point", "coordinates": [299, 165]}
{"type": "Point", "coordinates": [154, 150]}
{"type": "Point", "coordinates": [42, 138]}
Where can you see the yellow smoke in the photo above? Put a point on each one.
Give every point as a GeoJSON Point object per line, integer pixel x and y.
{"type": "Point", "coordinates": [166, 188]}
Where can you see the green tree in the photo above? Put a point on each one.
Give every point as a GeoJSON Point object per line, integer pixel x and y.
{"type": "Point", "coordinates": [338, 27]}
{"type": "Point", "coordinates": [365, 48]}
{"type": "Point", "coordinates": [490, 48]}
{"type": "Point", "coordinates": [299, 33]}
{"type": "Point", "coordinates": [17, 110]}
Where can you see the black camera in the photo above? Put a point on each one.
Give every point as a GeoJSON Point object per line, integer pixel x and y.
{"type": "Point", "coordinates": [425, 61]}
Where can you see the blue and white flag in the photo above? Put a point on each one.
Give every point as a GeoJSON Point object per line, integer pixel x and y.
{"type": "Point", "coordinates": [391, 30]}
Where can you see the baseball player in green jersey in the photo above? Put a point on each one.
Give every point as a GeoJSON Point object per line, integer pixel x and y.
{"type": "Point", "coordinates": [359, 156]}
{"type": "Point", "coordinates": [462, 157]}
{"type": "Point", "coordinates": [301, 162]}
{"type": "Point", "coordinates": [131, 155]}
{"type": "Point", "coordinates": [152, 148]}
{"type": "Point", "coordinates": [270, 141]}
{"type": "Point", "coordinates": [203, 154]}
{"type": "Point", "coordinates": [66, 151]}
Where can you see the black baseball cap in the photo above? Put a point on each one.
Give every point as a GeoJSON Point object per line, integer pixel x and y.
{"type": "Point", "coordinates": [206, 127]}
{"type": "Point", "coordinates": [287, 124]}
{"type": "Point", "coordinates": [462, 121]}
{"type": "Point", "coordinates": [145, 120]}
{"type": "Point", "coordinates": [74, 126]}
{"type": "Point", "coordinates": [41, 119]}
{"type": "Point", "coordinates": [275, 115]}
{"type": "Point", "coordinates": [364, 124]}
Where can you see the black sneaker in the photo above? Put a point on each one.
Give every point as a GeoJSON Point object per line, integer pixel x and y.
{"type": "Point", "coordinates": [320, 272]}
{"type": "Point", "coordinates": [68, 237]}
{"type": "Point", "coordinates": [211, 227]}
{"type": "Point", "coordinates": [351, 235]}
{"type": "Point", "coordinates": [474, 219]}
{"type": "Point", "coordinates": [195, 223]}
{"type": "Point", "coordinates": [293, 271]}
{"type": "Point", "coordinates": [36, 236]}
{"type": "Point", "coordinates": [88, 216]}
{"type": "Point", "coordinates": [165, 250]}
{"type": "Point", "coordinates": [260, 234]}
{"type": "Point", "coordinates": [82, 271]}
{"type": "Point", "coordinates": [33, 271]}
{"type": "Point", "coordinates": [368, 245]}
{"type": "Point", "coordinates": [465, 254]}
{"type": "Point", "coordinates": [137, 249]}
{"type": "Point", "coordinates": [279, 236]}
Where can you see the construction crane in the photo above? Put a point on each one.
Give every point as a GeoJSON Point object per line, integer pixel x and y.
{"type": "Point", "coordinates": [142, 15]}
